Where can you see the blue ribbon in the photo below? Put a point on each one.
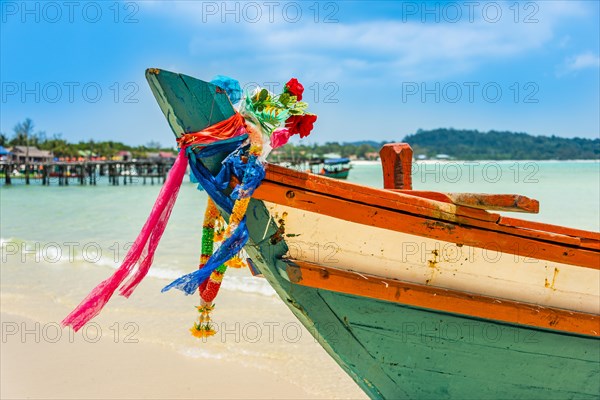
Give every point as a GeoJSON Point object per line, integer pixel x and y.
{"type": "Point", "coordinates": [253, 173]}
{"type": "Point", "coordinates": [232, 245]}
{"type": "Point", "coordinates": [231, 86]}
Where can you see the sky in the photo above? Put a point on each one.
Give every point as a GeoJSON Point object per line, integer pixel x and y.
{"type": "Point", "coordinates": [371, 70]}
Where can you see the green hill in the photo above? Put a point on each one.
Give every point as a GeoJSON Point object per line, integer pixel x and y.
{"type": "Point", "coordinates": [494, 145]}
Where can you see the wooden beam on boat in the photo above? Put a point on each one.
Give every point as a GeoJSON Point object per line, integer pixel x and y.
{"type": "Point", "coordinates": [445, 300]}
{"type": "Point", "coordinates": [427, 223]}
{"type": "Point", "coordinates": [482, 201]}
{"type": "Point", "coordinates": [396, 160]}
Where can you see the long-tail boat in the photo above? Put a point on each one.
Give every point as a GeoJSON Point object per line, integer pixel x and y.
{"type": "Point", "coordinates": [418, 294]}
{"type": "Point", "coordinates": [414, 294]}
{"type": "Point", "coordinates": [338, 168]}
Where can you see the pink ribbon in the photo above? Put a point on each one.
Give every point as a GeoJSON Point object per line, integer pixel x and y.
{"type": "Point", "coordinates": [140, 254]}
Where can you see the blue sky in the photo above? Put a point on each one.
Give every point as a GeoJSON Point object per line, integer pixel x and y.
{"type": "Point", "coordinates": [376, 70]}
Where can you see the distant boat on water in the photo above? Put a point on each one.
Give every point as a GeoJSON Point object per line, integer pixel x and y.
{"type": "Point", "coordinates": [416, 294]}
{"type": "Point", "coordinates": [336, 167]}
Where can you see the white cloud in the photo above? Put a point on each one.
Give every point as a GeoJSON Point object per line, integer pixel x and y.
{"type": "Point", "coordinates": [585, 60]}
{"type": "Point", "coordinates": [579, 62]}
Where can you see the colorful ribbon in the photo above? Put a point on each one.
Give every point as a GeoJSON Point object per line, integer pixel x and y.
{"type": "Point", "coordinates": [141, 252]}
{"type": "Point", "coordinates": [236, 234]}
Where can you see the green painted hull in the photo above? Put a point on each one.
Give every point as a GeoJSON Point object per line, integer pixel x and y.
{"type": "Point", "coordinates": [395, 351]}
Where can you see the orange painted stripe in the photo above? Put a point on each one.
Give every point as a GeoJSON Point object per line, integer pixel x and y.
{"type": "Point", "coordinates": [450, 301]}
{"type": "Point", "coordinates": [422, 225]}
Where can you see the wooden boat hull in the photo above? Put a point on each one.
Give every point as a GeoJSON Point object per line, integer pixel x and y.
{"type": "Point", "coordinates": [394, 350]}
{"type": "Point", "coordinates": [406, 317]}
{"type": "Point", "coordinates": [426, 324]}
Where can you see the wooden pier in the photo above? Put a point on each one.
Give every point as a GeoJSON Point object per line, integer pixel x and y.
{"type": "Point", "coordinates": [87, 172]}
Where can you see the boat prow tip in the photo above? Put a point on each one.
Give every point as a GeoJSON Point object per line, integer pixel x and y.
{"type": "Point", "coordinates": [159, 71]}
{"type": "Point", "coordinates": [153, 71]}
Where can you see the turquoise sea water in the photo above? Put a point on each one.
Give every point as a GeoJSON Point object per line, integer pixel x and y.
{"type": "Point", "coordinates": [57, 243]}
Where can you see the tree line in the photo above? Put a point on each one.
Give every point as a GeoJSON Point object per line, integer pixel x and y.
{"type": "Point", "coordinates": [24, 134]}
{"type": "Point", "coordinates": [456, 143]}
{"type": "Point", "coordinates": [496, 145]}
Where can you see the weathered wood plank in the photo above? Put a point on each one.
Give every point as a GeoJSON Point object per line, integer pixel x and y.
{"type": "Point", "coordinates": [313, 275]}
{"type": "Point", "coordinates": [482, 201]}
{"type": "Point", "coordinates": [540, 226]}
{"type": "Point", "coordinates": [371, 196]}
{"type": "Point", "coordinates": [426, 207]}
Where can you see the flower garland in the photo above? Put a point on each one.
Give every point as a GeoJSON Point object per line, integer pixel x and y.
{"type": "Point", "coordinates": [203, 327]}
{"type": "Point", "coordinates": [213, 232]}
{"type": "Point", "coordinates": [210, 288]}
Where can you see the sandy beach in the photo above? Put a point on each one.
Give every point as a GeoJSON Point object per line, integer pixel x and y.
{"type": "Point", "coordinates": [49, 364]}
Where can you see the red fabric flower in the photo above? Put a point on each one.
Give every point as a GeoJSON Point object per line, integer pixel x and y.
{"type": "Point", "coordinates": [280, 137]}
{"type": "Point", "coordinates": [302, 124]}
{"type": "Point", "coordinates": [294, 88]}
